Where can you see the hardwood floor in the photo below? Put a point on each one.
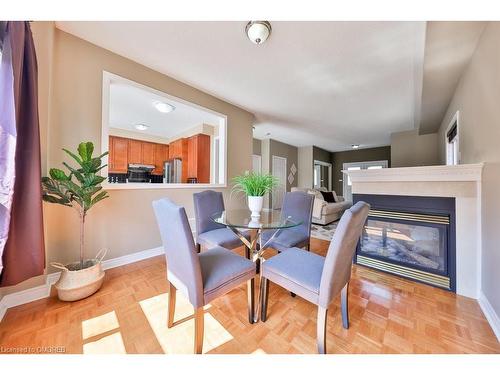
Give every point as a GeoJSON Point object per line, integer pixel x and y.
{"type": "Point", "coordinates": [129, 315]}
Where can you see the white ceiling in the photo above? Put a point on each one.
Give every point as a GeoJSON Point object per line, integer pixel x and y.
{"type": "Point", "coordinates": [130, 105]}
{"type": "Point", "coordinates": [331, 84]}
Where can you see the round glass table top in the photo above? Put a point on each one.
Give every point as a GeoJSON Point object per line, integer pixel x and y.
{"type": "Point", "coordinates": [241, 218]}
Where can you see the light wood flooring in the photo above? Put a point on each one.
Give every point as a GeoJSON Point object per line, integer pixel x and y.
{"type": "Point", "coordinates": [128, 315]}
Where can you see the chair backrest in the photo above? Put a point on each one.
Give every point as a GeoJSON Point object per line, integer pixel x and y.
{"type": "Point", "coordinates": [338, 262]}
{"type": "Point", "coordinates": [299, 205]}
{"type": "Point", "coordinates": [183, 264]}
{"type": "Point", "coordinates": [207, 203]}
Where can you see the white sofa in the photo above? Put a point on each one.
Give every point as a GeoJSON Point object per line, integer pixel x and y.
{"type": "Point", "coordinates": [324, 212]}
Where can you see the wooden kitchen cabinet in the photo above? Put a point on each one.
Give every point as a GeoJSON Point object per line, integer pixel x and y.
{"type": "Point", "coordinates": [179, 149]}
{"type": "Point", "coordinates": [199, 158]}
{"type": "Point", "coordinates": [148, 156]}
{"type": "Point", "coordinates": [134, 151]}
{"type": "Point", "coordinates": [118, 155]}
{"type": "Point", "coordinates": [193, 151]}
{"type": "Point", "coordinates": [160, 156]}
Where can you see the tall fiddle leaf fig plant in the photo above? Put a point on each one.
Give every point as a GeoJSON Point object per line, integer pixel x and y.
{"type": "Point", "coordinates": [79, 187]}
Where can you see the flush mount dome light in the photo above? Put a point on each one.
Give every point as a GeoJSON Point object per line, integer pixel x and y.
{"type": "Point", "coordinates": [141, 126]}
{"type": "Point", "coordinates": [355, 147]}
{"type": "Point", "coordinates": [258, 31]}
{"type": "Point", "coordinates": [163, 107]}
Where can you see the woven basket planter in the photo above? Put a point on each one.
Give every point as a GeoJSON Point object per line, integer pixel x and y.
{"type": "Point", "coordinates": [74, 283]}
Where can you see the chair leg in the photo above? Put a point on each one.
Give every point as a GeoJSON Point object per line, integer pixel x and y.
{"type": "Point", "coordinates": [321, 329]}
{"type": "Point", "coordinates": [198, 248]}
{"type": "Point", "coordinates": [172, 291]}
{"type": "Point", "coordinates": [198, 330]}
{"type": "Point", "coordinates": [344, 305]}
{"type": "Point", "coordinates": [251, 299]}
{"type": "Point", "coordinates": [264, 290]}
{"type": "Point", "coordinates": [308, 246]}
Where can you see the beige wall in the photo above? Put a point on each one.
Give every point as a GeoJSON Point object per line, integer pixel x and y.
{"type": "Point", "coordinates": [408, 149]}
{"type": "Point", "coordinates": [305, 167]}
{"type": "Point", "coordinates": [477, 97]}
{"type": "Point", "coordinates": [70, 112]}
{"type": "Point", "coordinates": [289, 153]}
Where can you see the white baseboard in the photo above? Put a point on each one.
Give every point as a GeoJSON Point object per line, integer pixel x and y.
{"type": "Point", "coordinates": [23, 296]}
{"type": "Point", "coordinates": [131, 258]}
{"type": "Point", "coordinates": [43, 291]}
{"type": "Point", "coordinates": [490, 314]}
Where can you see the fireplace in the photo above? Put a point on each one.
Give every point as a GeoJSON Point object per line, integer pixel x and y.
{"type": "Point", "coordinates": [412, 237]}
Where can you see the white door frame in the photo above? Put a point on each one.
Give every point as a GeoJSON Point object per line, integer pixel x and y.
{"type": "Point", "coordinates": [277, 191]}
{"type": "Point", "coordinates": [259, 158]}
{"type": "Point", "coordinates": [330, 168]}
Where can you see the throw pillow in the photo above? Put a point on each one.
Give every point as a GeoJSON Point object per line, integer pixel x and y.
{"type": "Point", "coordinates": [317, 194]}
{"type": "Point", "coordinates": [328, 196]}
{"type": "Point", "coordinates": [335, 196]}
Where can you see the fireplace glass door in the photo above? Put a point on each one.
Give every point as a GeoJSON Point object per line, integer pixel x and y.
{"type": "Point", "coordinates": [414, 244]}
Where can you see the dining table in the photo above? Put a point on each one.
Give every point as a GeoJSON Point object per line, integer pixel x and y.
{"type": "Point", "coordinates": [241, 222]}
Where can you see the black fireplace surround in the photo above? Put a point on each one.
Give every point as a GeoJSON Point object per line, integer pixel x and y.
{"type": "Point", "coordinates": [409, 236]}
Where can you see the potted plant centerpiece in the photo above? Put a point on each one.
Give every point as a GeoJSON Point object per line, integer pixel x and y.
{"type": "Point", "coordinates": [255, 186]}
{"type": "Point", "coordinates": [80, 189]}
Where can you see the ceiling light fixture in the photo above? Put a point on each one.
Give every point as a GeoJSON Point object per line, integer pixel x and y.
{"type": "Point", "coordinates": [355, 147]}
{"type": "Point", "coordinates": [163, 107]}
{"type": "Point", "coordinates": [258, 31]}
{"type": "Point", "coordinates": [141, 126]}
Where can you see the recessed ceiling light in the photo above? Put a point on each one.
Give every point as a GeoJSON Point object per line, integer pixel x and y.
{"type": "Point", "coordinates": [141, 126]}
{"type": "Point", "coordinates": [163, 107]}
{"type": "Point", "coordinates": [258, 31]}
{"type": "Point", "coordinates": [355, 147]}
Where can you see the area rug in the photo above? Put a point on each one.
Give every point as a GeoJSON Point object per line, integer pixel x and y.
{"type": "Point", "coordinates": [323, 232]}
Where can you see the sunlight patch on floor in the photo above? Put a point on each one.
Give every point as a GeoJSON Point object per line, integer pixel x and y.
{"type": "Point", "coordinates": [111, 344]}
{"type": "Point", "coordinates": [259, 351]}
{"type": "Point", "coordinates": [180, 338]}
{"type": "Point", "coordinates": [99, 325]}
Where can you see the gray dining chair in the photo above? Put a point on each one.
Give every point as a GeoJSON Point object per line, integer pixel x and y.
{"type": "Point", "coordinates": [208, 233]}
{"type": "Point", "coordinates": [199, 277]}
{"type": "Point", "coordinates": [315, 278]}
{"type": "Point", "coordinates": [299, 206]}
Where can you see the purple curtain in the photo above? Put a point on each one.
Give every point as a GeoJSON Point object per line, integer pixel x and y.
{"type": "Point", "coordinates": [21, 226]}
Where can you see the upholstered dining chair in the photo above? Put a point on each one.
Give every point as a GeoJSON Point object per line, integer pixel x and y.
{"type": "Point", "coordinates": [208, 233]}
{"type": "Point", "coordinates": [315, 278]}
{"type": "Point", "coordinates": [298, 205]}
{"type": "Point", "coordinates": [199, 277]}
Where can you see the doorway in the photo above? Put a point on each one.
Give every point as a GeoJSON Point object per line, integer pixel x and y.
{"type": "Point", "coordinates": [347, 185]}
{"type": "Point", "coordinates": [322, 175]}
{"type": "Point", "coordinates": [278, 171]}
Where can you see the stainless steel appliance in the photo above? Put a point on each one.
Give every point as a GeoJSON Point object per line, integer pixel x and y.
{"type": "Point", "coordinates": [139, 172]}
{"type": "Point", "coordinates": [172, 171]}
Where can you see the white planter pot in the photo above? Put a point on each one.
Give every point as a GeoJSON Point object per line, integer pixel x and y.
{"type": "Point", "coordinates": [75, 284]}
{"type": "Point", "coordinates": [255, 205]}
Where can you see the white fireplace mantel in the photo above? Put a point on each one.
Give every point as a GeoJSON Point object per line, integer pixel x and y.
{"type": "Point", "coordinates": [464, 172]}
{"type": "Point", "coordinates": [463, 182]}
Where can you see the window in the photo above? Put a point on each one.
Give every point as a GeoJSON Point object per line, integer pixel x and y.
{"type": "Point", "coordinates": [452, 145]}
